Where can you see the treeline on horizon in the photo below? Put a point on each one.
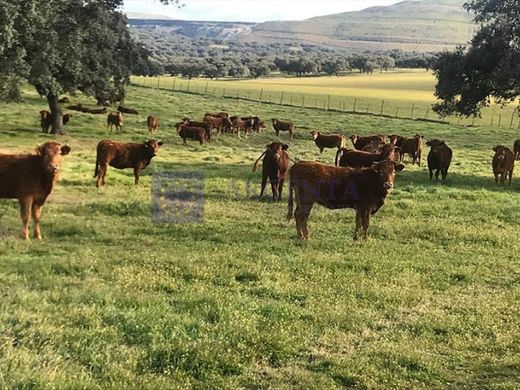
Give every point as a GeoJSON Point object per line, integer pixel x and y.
{"type": "Point", "coordinates": [215, 58]}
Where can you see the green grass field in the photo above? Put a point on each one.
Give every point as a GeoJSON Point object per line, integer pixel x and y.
{"type": "Point", "coordinates": [398, 93]}
{"type": "Point", "coordinates": [111, 300]}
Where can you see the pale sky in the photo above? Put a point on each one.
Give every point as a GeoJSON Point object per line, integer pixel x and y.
{"type": "Point", "coordinates": [250, 10]}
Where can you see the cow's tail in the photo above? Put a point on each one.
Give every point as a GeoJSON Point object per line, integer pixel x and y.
{"type": "Point", "coordinates": [257, 160]}
{"type": "Point", "coordinates": [290, 202]}
{"type": "Point", "coordinates": [96, 170]}
{"type": "Point", "coordinates": [339, 153]}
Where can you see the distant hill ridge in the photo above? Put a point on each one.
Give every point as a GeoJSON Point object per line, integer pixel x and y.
{"type": "Point", "coordinates": [427, 25]}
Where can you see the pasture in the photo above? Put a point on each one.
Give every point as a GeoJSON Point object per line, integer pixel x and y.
{"type": "Point", "coordinates": [403, 93]}
{"type": "Point", "coordinates": [110, 300]}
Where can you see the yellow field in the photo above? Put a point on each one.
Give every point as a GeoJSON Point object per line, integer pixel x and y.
{"type": "Point", "coordinates": [402, 93]}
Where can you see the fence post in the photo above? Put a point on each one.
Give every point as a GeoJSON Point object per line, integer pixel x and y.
{"type": "Point", "coordinates": [260, 98]}
{"type": "Point", "coordinates": [382, 106]}
{"type": "Point", "coordinates": [249, 95]}
{"type": "Point", "coordinates": [513, 118]}
{"type": "Point", "coordinates": [158, 82]}
{"type": "Point", "coordinates": [188, 86]}
{"type": "Point", "coordinates": [427, 112]}
{"type": "Point", "coordinates": [413, 106]}
{"type": "Point", "coordinates": [238, 93]}
{"type": "Point", "coordinates": [173, 85]}
{"type": "Point", "coordinates": [291, 100]}
{"type": "Point", "coordinates": [281, 98]}
{"type": "Point", "coordinates": [206, 89]}
{"type": "Point", "coordinates": [368, 108]}
{"type": "Point", "coordinates": [492, 120]}
{"type": "Point", "coordinates": [328, 103]}
{"type": "Point", "coordinates": [499, 120]}
{"type": "Point", "coordinates": [396, 112]}
{"type": "Point", "coordinates": [214, 91]}
{"type": "Point", "coordinates": [458, 121]}
{"type": "Point", "coordinates": [355, 102]}
{"type": "Point", "coordinates": [303, 100]}
{"type": "Point", "coordinates": [223, 92]}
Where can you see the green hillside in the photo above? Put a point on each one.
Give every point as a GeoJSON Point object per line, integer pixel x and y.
{"type": "Point", "coordinates": [426, 25]}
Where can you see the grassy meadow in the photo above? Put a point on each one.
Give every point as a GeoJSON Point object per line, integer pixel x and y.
{"type": "Point", "coordinates": [109, 299]}
{"type": "Point", "coordinates": [404, 93]}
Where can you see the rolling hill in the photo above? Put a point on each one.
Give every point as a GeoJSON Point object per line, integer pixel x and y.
{"type": "Point", "coordinates": [427, 25]}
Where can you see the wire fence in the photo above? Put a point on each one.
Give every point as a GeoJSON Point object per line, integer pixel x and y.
{"type": "Point", "coordinates": [499, 117]}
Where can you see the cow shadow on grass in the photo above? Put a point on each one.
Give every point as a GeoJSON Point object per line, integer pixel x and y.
{"type": "Point", "coordinates": [463, 181]}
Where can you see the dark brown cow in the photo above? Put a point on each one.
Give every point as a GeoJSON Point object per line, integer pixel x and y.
{"type": "Point", "coordinates": [439, 158]}
{"type": "Point", "coordinates": [516, 149]}
{"type": "Point", "coordinates": [360, 142]}
{"type": "Point", "coordinates": [88, 110]}
{"type": "Point", "coordinates": [503, 164]}
{"type": "Point", "coordinates": [257, 123]}
{"type": "Point", "coordinates": [359, 158]}
{"type": "Point", "coordinates": [153, 122]}
{"type": "Point", "coordinates": [64, 99]}
{"type": "Point", "coordinates": [364, 190]}
{"type": "Point", "coordinates": [241, 124]}
{"type": "Point", "coordinates": [115, 119]}
{"type": "Point", "coordinates": [412, 147]}
{"type": "Point", "coordinates": [46, 120]}
{"type": "Point", "coordinates": [397, 140]}
{"type": "Point", "coordinates": [30, 179]}
{"type": "Point", "coordinates": [197, 133]}
{"type": "Point", "coordinates": [275, 165]}
{"type": "Point", "coordinates": [205, 125]}
{"type": "Point", "coordinates": [323, 141]}
{"type": "Point", "coordinates": [124, 155]}
{"type": "Point", "coordinates": [220, 123]}
{"type": "Point", "coordinates": [279, 125]}
{"type": "Point", "coordinates": [373, 146]}
{"type": "Point", "coordinates": [126, 110]}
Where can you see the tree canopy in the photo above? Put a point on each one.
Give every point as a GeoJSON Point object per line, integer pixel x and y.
{"type": "Point", "coordinates": [61, 46]}
{"type": "Point", "coordinates": [489, 68]}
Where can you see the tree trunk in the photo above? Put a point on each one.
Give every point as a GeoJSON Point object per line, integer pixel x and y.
{"type": "Point", "coordinates": [56, 114]}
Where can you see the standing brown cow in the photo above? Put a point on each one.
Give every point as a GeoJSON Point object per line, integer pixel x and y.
{"type": "Point", "coordinates": [115, 119]}
{"type": "Point", "coordinates": [359, 158]}
{"type": "Point", "coordinates": [279, 125]}
{"type": "Point", "coordinates": [516, 149]}
{"type": "Point", "coordinates": [153, 122]}
{"type": "Point", "coordinates": [413, 147]}
{"type": "Point", "coordinates": [323, 141]}
{"type": "Point", "coordinates": [360, 141]}
{"type": "Point", "coordinates": [275, 165]}
{"type": "Point", "coordinates": [124, 155]}
{"type": "Point", "coordinates": [30, 179]}
{"type": "Point", "coordinates": [503, 164]}
{"type": "Point", "coordinates": [46, 120]}
{"type": "Point", "coordinates": [222, 124]}
{"type": "Point", "coordinates": [364, 190]}
{"type": "Point", "coordinates": [439, 158]}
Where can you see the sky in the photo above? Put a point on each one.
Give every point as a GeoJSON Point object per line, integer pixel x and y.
{"type": "Point", "coordinates": [250, 10]}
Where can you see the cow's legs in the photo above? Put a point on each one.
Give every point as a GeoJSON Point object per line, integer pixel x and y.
{"type": "Point", "coordinates": [444, 174]}
{"type": "Point", "coordinates": [274, 189]}
{"type": "Point", "coordinates": [36, 216]}
{"type": "Point", "coordinates": [496, 178]}
{"type": "Point", "coordinates": [431, 174]}
{"type": "Point", "coordinates": [25, 212]}
{"type": "Point", "coordinates": [264, 183]}
{"type": "Point", "coordinates": [136, 174]}
{"type": "Point", "coordinates": [101, 175]}
{"type": "Point", "coordinates": [365, 219]}
{"type": "Point", "coordinates": [280, 188]}
{"type": "Point", "coordinates": [301, 214]}
{"type": "Point", "coordinates": [358, 224]}
{"type": "Point", "coordinates": [437, 171]}
{"type": "Point", "coordinates": [510, 176]}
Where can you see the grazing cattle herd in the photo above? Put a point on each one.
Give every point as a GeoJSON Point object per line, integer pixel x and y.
{"type": "Point", "coordinates": [361, 178]}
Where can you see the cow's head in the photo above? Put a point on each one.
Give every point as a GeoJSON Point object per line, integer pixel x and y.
{"type": "Point", "coordinates": [353, 138]}
{"type": "Point", "coordinates": [275, 121]}
{"type": "Point", "coordinates": [394, 138]}
{"type": "Point", "coordinates": [152, 146]}
{"type": "Point", "coordinates": [51, 153]}
{"type": "Point", "coordinates": [315, 134]}
{"type": "Point", "coordinates": [388, 150]}
{"type": "Point", "coordinates": [435, 143]}
{"type": "Point", "coordinates": [500, 152]}
{"type": "Point", "coordinates": [44, 114]}
{"type": "Point", "coordinates": [262, 125]}
{"type": "Point", "coordinates": [178, 125]}
{"type": "Point", "coordinates": [386, 170]}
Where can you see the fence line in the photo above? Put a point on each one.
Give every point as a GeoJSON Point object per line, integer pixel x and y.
{"type": "Point", "coordinates": [323, 104]}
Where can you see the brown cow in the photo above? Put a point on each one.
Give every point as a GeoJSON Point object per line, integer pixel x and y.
{"type": "Point", "coordinates": [374, 146]}
{"type": "Point", "coordinates": [397, 140]}
{"type": "Point", "coordinates": [275, 165]}
{"type": "Point", "coordinates": [115, 119]}
{"type": "Point", "coordinates": [242, 124]}
{"type": "Point", "coordinates": [197, 133]}
{"type": "Point", "coordinates": [124, 155]}
{"type": "Point", "coordinates": [46, 120]}
{"type": "Point", "coordinates": [413, 147]}
{"type": "Point", "coordinates": [360, 142]}
{"type": "Point", "coordinates": [439, 158]}
{"type": "Point", "coordinates": [30, 179]}
{"type": "Point", "coordinates": [220, 123]}
{"type": "Point", "coordinates": [503, 164]}
{"type": "Point", "coordinates": [220, 114]}
{"type": "Point", "coordinates": [323, 141]}
{"type": "Point", "coordinates": [153, 122]}
{"type": "Point", "coordinates": [279, 125]}
{"type": "Point", "coordinates": [126, 110]}
{"type": "Point", "coordinates": [64, 99]}
{"type": "Point", "coordinates": [359, 158]}
{"type": "Point", "coordinates": [516, 149]}
{"type": "Point", "coordinates": [364, 190]}
{"type": "Point", "coordinates": [205, 125]}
